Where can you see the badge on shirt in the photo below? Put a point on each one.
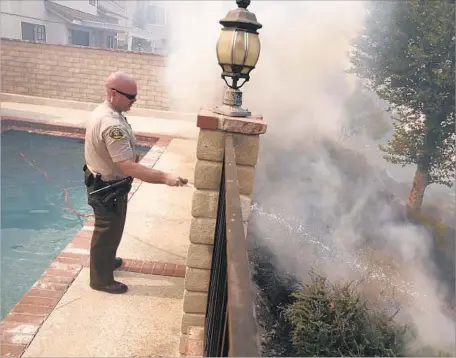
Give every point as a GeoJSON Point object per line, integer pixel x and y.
{"type": "Point", "coordinates": [116, 133]}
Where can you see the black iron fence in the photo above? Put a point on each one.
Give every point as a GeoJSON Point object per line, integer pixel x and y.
{"type": "Point", "coordinates": [230, 328]}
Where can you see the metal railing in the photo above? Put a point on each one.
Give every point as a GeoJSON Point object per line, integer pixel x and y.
{"type": "Point", "coordinates": [230, 328]}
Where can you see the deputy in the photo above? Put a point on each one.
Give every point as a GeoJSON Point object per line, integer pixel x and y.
{"type": "Point", "coordinates": [110, 166]}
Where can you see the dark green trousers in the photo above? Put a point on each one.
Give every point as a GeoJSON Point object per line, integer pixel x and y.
{"type": "Point", "coordinates": [109, 227]}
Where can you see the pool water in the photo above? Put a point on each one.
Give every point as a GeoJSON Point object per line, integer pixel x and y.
{"type": "Point", "coordinates": [35, 222]}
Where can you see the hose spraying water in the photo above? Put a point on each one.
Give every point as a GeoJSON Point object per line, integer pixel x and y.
{"type": "Point", "coordinates": [65, 190]}
{"type": "Point", "coordinates": [354, 260]}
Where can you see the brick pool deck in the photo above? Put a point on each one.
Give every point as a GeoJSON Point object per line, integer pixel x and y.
{"type": "Point", "coordinates": [60, 315]}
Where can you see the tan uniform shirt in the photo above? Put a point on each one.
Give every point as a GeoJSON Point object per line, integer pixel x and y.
{"type": "Point", "coordinates": [109, 139]}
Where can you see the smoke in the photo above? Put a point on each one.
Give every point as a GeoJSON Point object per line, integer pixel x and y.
{"type": "Point", "coordinates": [193, 75]}
{"type": "Point", "coordinates": [320, 200]}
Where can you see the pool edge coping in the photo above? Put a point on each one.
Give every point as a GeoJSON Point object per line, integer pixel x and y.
{"type": "Point", "coordinates": [70, 130]}
{"type": "Point", "coordinates": [21, 324]}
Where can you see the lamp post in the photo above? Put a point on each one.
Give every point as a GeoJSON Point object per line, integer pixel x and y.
{"type": "Point", "coordinates": [238, 50]}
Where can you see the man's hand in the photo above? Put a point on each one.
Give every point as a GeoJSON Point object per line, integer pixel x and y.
{"type": "Point", "coordinates": [173, 180]}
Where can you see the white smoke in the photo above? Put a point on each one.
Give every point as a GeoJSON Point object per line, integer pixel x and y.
{"type": "Point", "coordinates": [300, 87]}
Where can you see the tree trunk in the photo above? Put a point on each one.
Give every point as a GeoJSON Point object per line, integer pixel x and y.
{"type": "Point", "coordinates": [416, 195]}
{"type": "Point", "coordinates": [421, 179]}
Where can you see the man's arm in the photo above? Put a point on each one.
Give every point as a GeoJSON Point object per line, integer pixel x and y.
{"type": "Point", "coordinates": [120, 150]}
{"type": "Point", "coordinates": [136, 170]}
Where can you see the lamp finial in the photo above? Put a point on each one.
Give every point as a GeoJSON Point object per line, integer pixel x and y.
{"type": "Point", "coordinates": [243, 3]}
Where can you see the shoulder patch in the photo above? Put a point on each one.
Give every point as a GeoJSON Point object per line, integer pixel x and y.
{"type": "Point", "coordinates": [117, 133]}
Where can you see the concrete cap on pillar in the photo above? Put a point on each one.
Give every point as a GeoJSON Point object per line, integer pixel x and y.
{"type": "Point", "coordinates": [253, 124]}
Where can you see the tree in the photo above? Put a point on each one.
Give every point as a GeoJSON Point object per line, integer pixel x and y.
{"type": "Point", "coordinates": [406, 54]}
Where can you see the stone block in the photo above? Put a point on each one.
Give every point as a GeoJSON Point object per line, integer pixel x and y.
{"type": "Point", "coordinates": [246, 148]}
{"type": "Point", "coordinates": [195, 333]}
{"type": "Point", "coordinates": [207, 175]}
{"type": "Point", "coordinates": [211, 146]}
{"type": "Point", "coordinates": [197, 279]}
{"type": "Point", "coordinates": [192, 319]}
{"type": "Point", "coordinates": [204, 204]}
{"type": "Point", "coordinates": [246, 178]}
{"type": "Point", "coordinates": [195, 302]}
{"type": "Point", "coordinates": [199, 256]}
{"type": "Point", "coordinates": [202, 231]}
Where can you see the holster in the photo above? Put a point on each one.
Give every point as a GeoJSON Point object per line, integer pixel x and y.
{"type": "Point", "coordinates": [92, 182]}
{"type": "Point", "coordinates": [108, 198]}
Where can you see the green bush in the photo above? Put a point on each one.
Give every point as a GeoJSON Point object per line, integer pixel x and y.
{"type": "Point", "coordinates": [335, 320]}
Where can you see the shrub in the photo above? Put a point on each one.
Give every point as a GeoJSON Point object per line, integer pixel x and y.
{"type": "Point", "coordinates": [274, 290]}
{"type": "Point", "coordinates": [335, 320]}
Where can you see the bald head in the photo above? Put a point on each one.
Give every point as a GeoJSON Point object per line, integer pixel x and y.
{"type": "Point", "coordinates": [119, 79]}
{"type": "Point", "coordinates": [121, 90]}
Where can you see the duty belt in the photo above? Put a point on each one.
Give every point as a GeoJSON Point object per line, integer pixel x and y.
{"type": "Point", "coordinates": [107, 192]}
{"type": "Point", "coordinates": [123, 183]}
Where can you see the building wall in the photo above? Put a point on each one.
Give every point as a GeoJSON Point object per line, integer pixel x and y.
{"type": "Point", "coordinates": [13, 12]}
{"type": "Point", "coordinates": [118, 11]}
{"type": "Point", "coordinates": [160, 32]}
{"type": "Point", "coordinates": [81, 5]}
{"type": "Point", "coordinates": [78, 73]}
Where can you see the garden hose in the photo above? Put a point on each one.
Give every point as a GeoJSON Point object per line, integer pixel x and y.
{"type": "Point", "coordinates": [65, 190]}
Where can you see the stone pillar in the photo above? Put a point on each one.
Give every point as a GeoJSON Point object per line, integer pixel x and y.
{"type": "Point", "coordinates": [210, 154]}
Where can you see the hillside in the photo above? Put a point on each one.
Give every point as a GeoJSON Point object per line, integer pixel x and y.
{"type": "Point", "coordinates": [332, 210]}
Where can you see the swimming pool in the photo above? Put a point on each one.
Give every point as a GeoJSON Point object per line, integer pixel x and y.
{"type": "Point", "coordinates": [35, 222]}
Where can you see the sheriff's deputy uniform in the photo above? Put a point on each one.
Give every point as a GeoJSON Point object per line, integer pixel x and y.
{"type": "Point", "coordinates": [109, 139]}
